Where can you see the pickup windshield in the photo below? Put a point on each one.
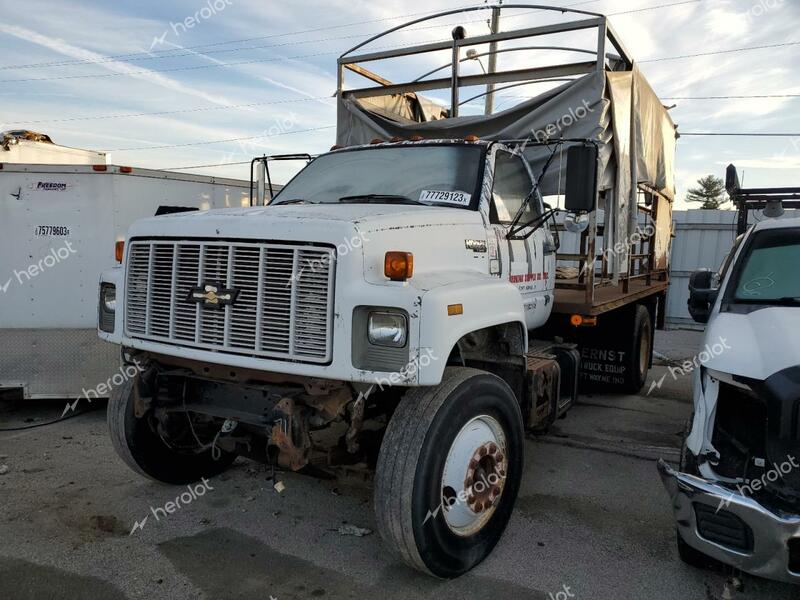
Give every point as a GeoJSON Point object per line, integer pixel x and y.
{"type": "Point", "coordinates": [438, 175]}
{"type": "Point", "coordinates": [768, 271]}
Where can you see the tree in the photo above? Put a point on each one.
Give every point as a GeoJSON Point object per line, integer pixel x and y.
{"type": "Point", "coordinates": [711, 192]}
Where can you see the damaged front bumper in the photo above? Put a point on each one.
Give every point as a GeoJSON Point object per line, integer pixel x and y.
{"type": "Point", "coordinates": [733, 528]}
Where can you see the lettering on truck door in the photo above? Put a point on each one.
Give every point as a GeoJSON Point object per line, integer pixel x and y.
{"type": "Point", "coordinates": [523, 262]}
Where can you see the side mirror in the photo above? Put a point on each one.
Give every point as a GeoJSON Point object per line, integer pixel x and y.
{"type": "Point", "coordinates": [581, 192]}
{"type": "Point", "coordinates": [702, 295]}
{"type": "Point", "coordinates": [261, 183]}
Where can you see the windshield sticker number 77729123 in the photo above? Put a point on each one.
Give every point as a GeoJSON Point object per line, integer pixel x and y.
{"type": "Point", "coordinates": [457, 198]}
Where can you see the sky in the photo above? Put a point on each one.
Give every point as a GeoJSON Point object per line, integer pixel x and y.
{"type": "Point", "coordinates": [257, 76]}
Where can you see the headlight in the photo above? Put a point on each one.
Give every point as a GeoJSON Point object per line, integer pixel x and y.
{"type": "Point", "coordinates": [110, 298]}
{"type": "Point", "coordinates": [387, 329]}
{"type": "Point", "coordinates": [108, 307]}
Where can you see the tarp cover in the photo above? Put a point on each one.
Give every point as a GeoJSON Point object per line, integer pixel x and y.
{"type": "Point", "coordinates": [619, 110]}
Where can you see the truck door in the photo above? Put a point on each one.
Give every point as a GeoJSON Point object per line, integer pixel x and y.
{"type": "Point", "coordinates": [523, 262]}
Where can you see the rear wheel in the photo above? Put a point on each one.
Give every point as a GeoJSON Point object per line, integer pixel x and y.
{"type": "Point", "coordinates": [157, 452]}
{"type": "Point", "coordinates": [639, 357]}
{"type": "Point", "coordinates": [449, 471]}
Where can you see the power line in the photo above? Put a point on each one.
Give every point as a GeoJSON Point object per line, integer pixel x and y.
{"type": "Point", "coordinates": [726, 134]}
{"type": "Point", "coordinates": [170, 70]}
{"type": "Point", "coordinates": [172, 112]}
{"type": "Point", "coordinates": [732, 50]}
{"type": "Point", "coordinates": [204, 143]}
{"type": "Point", "coordinates": [759, 96]}
{"type": "Point", "coordinates": [179, 52]}
{"type": "Point", "coordinates": [243, 162]}
{"type": "Point", "coordinates": [638, 10]}
{"type": "Point", "coordinates": [730, 97]}
{"type": "Point", "coordinates": [146, 55]}
{"type": "Point", "coordinates": [288, 58]}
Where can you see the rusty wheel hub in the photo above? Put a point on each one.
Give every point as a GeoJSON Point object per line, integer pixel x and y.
{"type": "Point", "coordinates": [485, 477]}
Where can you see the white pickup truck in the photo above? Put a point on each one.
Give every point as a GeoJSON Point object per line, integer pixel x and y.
{"type": "Point", "coordinates": [736, 493]}
{"type": "Point", "coordinates": [396, 303]}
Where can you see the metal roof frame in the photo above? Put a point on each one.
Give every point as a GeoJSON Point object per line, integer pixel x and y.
{"type": "Point", "coordinates": [747, 199]}
{"type": "Point", "coordinates": [605, 36]}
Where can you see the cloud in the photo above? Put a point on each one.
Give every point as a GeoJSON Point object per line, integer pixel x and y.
{"type": "Point", "coordinates": [67, 49]}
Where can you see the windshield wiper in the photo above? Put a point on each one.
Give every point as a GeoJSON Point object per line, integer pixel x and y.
{"type": "Point", "coordinates": [380, 198]}
{"type": "Point", "coordinates": [295, 201]}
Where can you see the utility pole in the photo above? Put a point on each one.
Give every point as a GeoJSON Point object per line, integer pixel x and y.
{"type": "Point", "coordinates": [495, 28]}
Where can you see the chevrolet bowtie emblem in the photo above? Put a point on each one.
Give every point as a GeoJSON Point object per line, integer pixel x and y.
{"type": "Point", "coordinates": [213, 295]}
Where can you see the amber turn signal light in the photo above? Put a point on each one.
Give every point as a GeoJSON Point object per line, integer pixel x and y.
{"type": "Point", "coordinates": [119, 248]}
{"type": "Point", "coordinates": [582, 321]}
{"type": "Point", "coordinates": [398, 266]}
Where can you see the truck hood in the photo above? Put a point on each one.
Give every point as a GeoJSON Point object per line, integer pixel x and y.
{"type": "Point", "coordinates": [367, 215]}
{"type": "Point", "coordinates": [362, 233]}
{"type": "Point", "coordinates": [755, 345]}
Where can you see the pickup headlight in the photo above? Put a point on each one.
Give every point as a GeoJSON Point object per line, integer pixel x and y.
{"type": "Point", "coordinates": [387, 329]}
{"type": "Point", "coordinates": [108, 307]}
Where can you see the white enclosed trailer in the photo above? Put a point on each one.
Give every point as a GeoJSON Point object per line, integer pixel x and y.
{"type": "Point", "coordinates": [59, 228]}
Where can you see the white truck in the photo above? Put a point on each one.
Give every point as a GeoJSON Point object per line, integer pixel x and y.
{"type": "Point", "coordinates": [736, 492]}
{"type": "Point", "coordinates": [397, 302]}
{"type": "Point", "coordinates": [62, 210]}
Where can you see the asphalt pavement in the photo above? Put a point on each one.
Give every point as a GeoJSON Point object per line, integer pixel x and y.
{"type": "Point", "coordinates": [592, 520]}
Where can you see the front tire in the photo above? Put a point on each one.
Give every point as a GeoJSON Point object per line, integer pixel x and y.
{"type": "Point", "coordinates": [449, 471]}
{"type": "Point", "coordinates": [143, 450]}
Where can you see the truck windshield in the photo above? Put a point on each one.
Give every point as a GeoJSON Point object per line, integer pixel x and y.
{"type": "Point", "coordinates": [439, 175]}
{"type": "Point", "coordinates": [768, 272]}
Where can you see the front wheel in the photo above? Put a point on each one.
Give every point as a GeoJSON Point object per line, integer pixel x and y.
{"type": "Point", "coordinates": [449, 471]}
{"type": "Point", "coordinates": [168, 451]}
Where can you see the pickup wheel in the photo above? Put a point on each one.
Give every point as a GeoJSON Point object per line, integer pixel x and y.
{"type": "Point", "coordinates": [138, 443]}
{"type": "Point", "coordinates": [449, 471]}
{"type": "Point", "coordinates": [639, 355]}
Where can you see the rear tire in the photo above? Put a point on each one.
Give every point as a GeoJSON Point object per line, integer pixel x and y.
{"type": "Point", "coordinates": [638, 363]}
{"type": "Point", "coordinates": [144, 451]}
{"type": "Point", "coordinates": [466, 429]}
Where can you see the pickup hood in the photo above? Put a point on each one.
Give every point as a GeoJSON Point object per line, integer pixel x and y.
{"type": "Point", "coordinates": [755, 345]}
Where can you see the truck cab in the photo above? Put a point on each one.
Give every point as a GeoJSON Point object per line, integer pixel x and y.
{"type": "Point", "coordinates": [377, 269]}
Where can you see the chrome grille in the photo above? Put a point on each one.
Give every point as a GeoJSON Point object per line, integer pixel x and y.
{"type": "Point", "coordinates": [283, 309]}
